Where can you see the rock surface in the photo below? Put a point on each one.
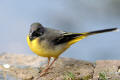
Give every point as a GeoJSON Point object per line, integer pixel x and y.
{"type": "Point", "coordinates": [108, 69]}
{"type": "Point", "coordinates": [21, 67]}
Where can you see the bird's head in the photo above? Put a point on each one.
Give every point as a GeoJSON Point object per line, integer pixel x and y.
{"type": "Point", "coordinates": [36, 30]}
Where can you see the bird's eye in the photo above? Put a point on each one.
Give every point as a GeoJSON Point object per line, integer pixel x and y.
{"type": "Point", "coordinates": [35, 34]}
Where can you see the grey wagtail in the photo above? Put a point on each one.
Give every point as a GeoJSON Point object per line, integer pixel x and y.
{"type": "Point", "coordinates": [49, 42]}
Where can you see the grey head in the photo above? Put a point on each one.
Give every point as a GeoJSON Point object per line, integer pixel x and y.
{"type": "Point", "coordinates": [36, 30]}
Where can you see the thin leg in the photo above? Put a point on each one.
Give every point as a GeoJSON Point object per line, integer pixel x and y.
{"type": "Point", "coordinates": [48, 61]}
{"type": "Point", "coordinates": [46, 69]}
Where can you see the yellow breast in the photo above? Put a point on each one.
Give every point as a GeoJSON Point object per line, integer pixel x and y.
{"type": "Point", "coordinates": [42, 49]}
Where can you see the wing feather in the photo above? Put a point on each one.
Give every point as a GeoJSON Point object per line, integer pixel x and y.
{"type": "Point", "coordinates": [65, 38]}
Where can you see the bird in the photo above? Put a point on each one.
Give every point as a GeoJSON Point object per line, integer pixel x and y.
{"type": "Point", "coordinates": [51, 43]}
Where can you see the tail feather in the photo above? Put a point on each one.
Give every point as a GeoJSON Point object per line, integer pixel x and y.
{"type": "Point", "coordinates": [101, 31]}
{"type": "Point", "coordinates": [84, 35]}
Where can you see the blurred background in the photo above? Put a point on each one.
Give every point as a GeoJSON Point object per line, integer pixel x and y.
{"type": "Point", "coordinates": [16, 16]}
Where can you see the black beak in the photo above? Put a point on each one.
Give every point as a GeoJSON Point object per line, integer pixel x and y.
{"type": "Point", "coordinates": [30, 36]}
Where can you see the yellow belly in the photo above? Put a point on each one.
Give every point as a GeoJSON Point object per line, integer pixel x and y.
{"type": "Point", "coordinates": [42, 49]}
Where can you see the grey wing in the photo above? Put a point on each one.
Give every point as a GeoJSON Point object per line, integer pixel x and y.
{"type": "Point", "coordinates": [65, 38]}
{"type": "Point", "coordinates": [59, 37]}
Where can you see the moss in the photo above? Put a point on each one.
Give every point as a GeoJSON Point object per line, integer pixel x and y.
{"type": "Point", "coordinates": [69, 76]}
{"type": "Point", "coordinates": [88, 77]}
{"type": "Point", "coordinates": [102, 76]}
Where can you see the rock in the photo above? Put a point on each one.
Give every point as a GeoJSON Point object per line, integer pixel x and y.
{"type": "Point", "coordinates": [21, 67]}
{"type": "Point", "coordinates": [107, 69]}
{"type": "Point", "coordinates": [68, 68]}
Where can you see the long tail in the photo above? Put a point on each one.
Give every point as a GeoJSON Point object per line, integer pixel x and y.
{"type": "Point", "coordinates": [101, 31]}
{"type": "Point", "coordinates": [80, 36]}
